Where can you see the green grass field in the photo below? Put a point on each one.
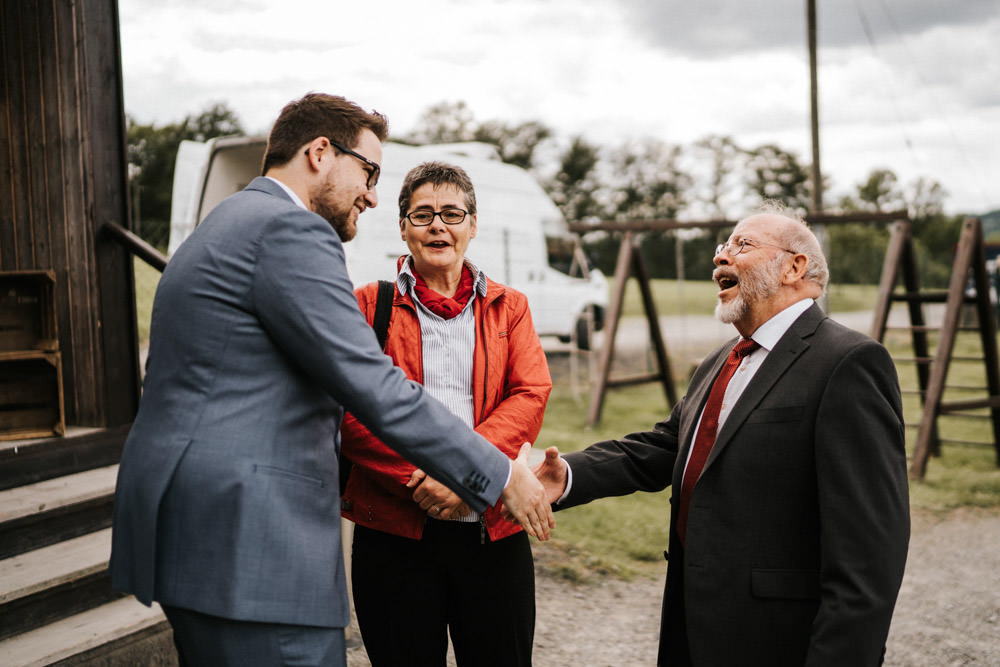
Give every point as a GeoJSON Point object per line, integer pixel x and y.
{"type": "Point", "coordinates": [627, 536]}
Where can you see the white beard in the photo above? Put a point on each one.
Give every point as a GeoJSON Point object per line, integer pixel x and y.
{"type": "Point", "coordinates": [728, 313]}
{"type": "Point", "coordinates": [758, 283]}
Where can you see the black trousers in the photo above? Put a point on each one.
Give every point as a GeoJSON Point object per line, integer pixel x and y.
{"type": "Point", "coordinates": [408, 595]}
{"type": "Point", "coordinates": [211, 641]}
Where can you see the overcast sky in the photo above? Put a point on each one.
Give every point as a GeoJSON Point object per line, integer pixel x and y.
{"type": "Point", "coordinates": [908, 85]}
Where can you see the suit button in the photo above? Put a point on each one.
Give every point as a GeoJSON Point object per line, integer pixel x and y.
{"type": "Point", "coordinates": [475, 483]}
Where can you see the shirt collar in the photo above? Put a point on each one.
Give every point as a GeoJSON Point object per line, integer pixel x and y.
{"type": "Point", "coordinates": [768, 334]}
{"type": "Point", "coordinates": [405, 279]}
{"type": "Point", "coordinates": [289, 192]}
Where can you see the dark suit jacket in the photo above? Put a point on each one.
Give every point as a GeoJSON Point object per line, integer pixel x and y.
{"type": "Point", "coordinates": [799, 525]}
{"type": "Point", "coordinates": [227, 500]}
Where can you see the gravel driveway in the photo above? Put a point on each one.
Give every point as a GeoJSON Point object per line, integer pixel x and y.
{"type": "Point", "coordinates": [948, 613]}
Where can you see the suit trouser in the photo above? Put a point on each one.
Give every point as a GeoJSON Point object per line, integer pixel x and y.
{"type": "Point", "coordinates": [408, 595]}
{"type": "Point", "coordinates": [210, 641]}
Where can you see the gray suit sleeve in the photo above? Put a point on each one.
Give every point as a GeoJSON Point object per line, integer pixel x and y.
{"type": "Point", "coordinates": [305, 301]}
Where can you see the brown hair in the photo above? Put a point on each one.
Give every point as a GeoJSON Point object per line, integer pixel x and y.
{"type": "Point", "coordinates": [436, 173]}
{"type": "Point", "coordinates": [318, 115]}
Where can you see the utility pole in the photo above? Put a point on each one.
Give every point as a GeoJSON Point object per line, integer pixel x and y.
{"type": "Point", "coordinates": [817, 174]}
{"type": "Point", "coordinates": [817, 178]}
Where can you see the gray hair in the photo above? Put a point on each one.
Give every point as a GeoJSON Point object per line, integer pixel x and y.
{"type": "Point", "coordinates": [798, 238]}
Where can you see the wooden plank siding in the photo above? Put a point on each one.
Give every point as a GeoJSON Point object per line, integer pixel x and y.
{"type": "Point", "coordinates": [62, 160]}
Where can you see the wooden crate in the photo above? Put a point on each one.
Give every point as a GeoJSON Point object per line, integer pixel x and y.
{"type": "Point", "coordinates": [27, 311]}
{"type": "Point", "coordinates": [31, 395]}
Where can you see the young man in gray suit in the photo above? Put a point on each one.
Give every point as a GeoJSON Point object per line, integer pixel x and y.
{"type": "Point", "coordinates": [789, 504]}
{"type": "Point", "coordinates": [227, 508]}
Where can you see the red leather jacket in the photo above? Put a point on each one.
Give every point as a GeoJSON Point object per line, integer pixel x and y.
{"type": "Point", "coordinates": [510, 387]}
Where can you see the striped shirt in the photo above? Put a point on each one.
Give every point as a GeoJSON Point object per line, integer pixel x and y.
{"type": "Point", "coordinates": [447, 348]}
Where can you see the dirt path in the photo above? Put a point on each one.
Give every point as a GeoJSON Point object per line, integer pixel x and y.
{"type": "Point", "coordinates": [948, 612]}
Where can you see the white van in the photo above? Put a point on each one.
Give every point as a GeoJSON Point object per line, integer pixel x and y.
{"type": "Point", "coordinates": [514, 218]}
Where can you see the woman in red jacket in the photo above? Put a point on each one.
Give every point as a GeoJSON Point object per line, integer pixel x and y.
{"type": "Point", "coordinates": [423, 563]}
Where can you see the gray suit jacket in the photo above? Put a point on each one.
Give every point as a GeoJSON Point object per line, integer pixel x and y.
{"type": "Point", "coordinates": [798, 527]}
{"type": "Point", "coordinates": [227, 500]}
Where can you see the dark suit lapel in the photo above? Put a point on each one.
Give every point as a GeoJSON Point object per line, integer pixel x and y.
{"type": "Point", "coordinates": [789, 348]}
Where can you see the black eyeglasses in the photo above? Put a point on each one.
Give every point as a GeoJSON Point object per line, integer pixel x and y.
{"type": "Point", "coordinates": [734, 248]}
{"type": "Point", "coordinates": [424, 217]}
{"type": "Point", "coordinates": [372, 168]}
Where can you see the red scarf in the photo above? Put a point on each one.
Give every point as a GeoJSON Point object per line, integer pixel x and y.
{"type": "Point", "coordinates": [439, 304]}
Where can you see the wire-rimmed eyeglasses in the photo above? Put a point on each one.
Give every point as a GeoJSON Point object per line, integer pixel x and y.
{"type": "Point", "coordinates": [734, 248]}
{"type": "Point", "coordinates": [449, 216]}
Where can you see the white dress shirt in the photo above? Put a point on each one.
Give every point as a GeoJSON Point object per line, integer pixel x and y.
{"type": "Point", "coordinates": [767, 336]}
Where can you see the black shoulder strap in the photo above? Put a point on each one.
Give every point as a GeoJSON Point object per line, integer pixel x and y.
{"type": "Point", "coordinates": [383, 310]}
{"type": "Point", "coordinates": [380, 323]}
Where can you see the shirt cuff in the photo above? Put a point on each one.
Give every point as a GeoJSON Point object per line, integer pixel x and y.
{"type": "Point", "coordinates": [569, 481]}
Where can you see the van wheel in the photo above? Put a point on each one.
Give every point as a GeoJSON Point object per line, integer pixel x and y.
{"type": "Point", "coordinates": [583, 331]}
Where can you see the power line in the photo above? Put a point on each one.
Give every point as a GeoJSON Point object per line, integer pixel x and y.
{"type": "Point", "coordinates": [870, 36]}
{"type": "Point", "coordinates": [964, 158]}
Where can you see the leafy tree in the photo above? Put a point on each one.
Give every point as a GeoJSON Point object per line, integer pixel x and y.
{"type": "Point", "coordinates": [925, 198]}
{"type": "Point", "coordinates": [575, 185]}
{"type": "Point", "coordinates": [774, 173]}
{"type": "Point", "coordinates": [880, 192]}
{"type": "Point", "coordinates": [451, 122]}
{"type": "Point", "coordinates": [858, 249]}
{"type": "Point", "coordinates": [724, 160]}
{"type": "Point", "coordinates": [444, 123]}
{"type": "Point", "coordinates": [152, 152]}
{"type": "Point", "coordinates": [646, 182]}
{"type": "Point", "coordinates": [515, 143]}
{"type": "Point", "coordinates": [936, 233]}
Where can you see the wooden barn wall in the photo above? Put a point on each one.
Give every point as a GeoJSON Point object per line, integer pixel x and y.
{"type": "Point", "coordinates": [62, 160]}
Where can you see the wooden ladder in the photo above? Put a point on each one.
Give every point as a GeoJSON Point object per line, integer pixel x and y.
{"type": "Point", "coordinates": [932, 372]}
{"type": "Point", "coordinates": [630, 262]}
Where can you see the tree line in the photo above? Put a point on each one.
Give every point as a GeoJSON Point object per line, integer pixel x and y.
{"type": "Point", "coordinates": [649, 179]}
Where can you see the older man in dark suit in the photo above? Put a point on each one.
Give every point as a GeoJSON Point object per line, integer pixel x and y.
{"type": "Point", "coordinates": [227, 509]}
{"type": "Point", "coordinates": [789, 503]}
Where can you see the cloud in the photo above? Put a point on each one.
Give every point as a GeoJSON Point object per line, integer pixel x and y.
{"type": "Point", "coordinates": [909, 84]}
{"type": "Point", "coordinates": [715, 28]}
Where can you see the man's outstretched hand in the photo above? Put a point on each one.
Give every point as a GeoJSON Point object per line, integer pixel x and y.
{"type": "Point", "coordinates": [552, 474]}
{"type": "Point", "coordinates": [524, 498]}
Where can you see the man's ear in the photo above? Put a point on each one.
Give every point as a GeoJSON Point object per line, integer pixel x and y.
{"type": "Point", "coordinates": [796, 270]}
{"type": "Point", "coordinates": [474, 228]}
{"type": "Point", "coordinates": [402, 229]}
{"type": "Point", "coordinates": [318, 150]}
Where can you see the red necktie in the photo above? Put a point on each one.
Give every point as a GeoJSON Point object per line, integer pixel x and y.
{"type": "Point", "coordinates": [708, 428]}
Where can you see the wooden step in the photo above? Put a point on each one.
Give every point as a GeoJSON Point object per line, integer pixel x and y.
{"type": "Point", "coordinates": [123, 632]}
{"type": "Point", "coordinates": [47, 512]}
{"type": "Point", "coordinates": [29, 461]}
{"type": "Point", "coordinates": [41, 586]}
